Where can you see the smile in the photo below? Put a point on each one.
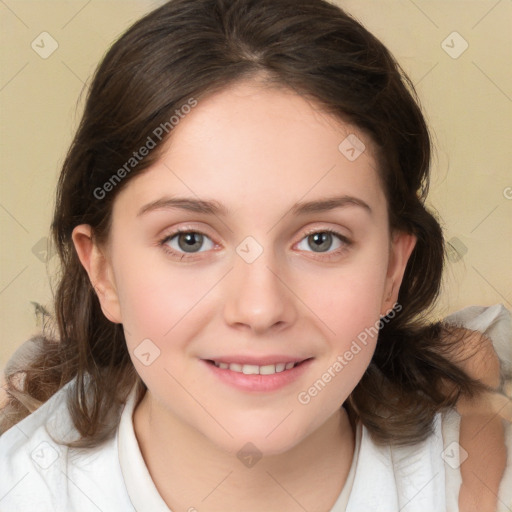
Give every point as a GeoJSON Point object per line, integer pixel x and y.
{"type": "Point", "coordinates": [265, 377]}
{"type": "Point", "coordinates": [253, 369]}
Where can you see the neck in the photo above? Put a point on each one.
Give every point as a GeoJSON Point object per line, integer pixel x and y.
{"type": "Point", "coordinates": [191, 472]}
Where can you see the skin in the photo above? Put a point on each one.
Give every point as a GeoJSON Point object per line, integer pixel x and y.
{"type": "Point", "coordinates": [257, 151]}
{"type": "Point", "coordinates": [482, 430]}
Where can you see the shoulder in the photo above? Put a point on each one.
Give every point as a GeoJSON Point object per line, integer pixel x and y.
{"type": "Point", "coordinates": [422, 476]}
{"type": "Point", "coordinates": [478, 339]}
{"type": "Point", "coordinates": [480, 323]}
{"type": "Point", "coordinates": [428, 475]}
{"type": "Point", "coordinates": [482, 441]}
{"type": "Point", "coordinates": [407, 477]}
{"type": "Point", "coordinates": [39, 473]}
{"type": "Point", "coordinates": [477, 462]}
{"type": "Point", "coordinates": [29, 457]}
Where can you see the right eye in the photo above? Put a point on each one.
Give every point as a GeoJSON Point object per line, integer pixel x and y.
{"type": "Point", "coordinates": [183, 242]}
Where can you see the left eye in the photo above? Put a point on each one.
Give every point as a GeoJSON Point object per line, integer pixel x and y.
{"type": "Point", "coordinates": [322, 241]}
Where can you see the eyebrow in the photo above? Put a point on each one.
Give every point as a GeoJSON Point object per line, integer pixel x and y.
{"type": "Point", "coordinates": [211, 207]}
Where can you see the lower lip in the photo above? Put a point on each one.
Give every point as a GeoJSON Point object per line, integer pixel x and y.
{"type": "Point", "coordinates": [261, 383]}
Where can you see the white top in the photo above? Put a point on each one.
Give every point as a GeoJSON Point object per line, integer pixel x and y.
{"type": "Point", "coordinates": [38, 475]}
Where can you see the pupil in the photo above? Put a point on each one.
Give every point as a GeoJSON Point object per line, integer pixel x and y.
{"type": "Point", "coordinates": [189, 241]}
{"type": "Point", "coordinates": [321, 241]}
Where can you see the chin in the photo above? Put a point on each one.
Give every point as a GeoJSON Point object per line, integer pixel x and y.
{"type": "Point", "coordinates": [272, 437]}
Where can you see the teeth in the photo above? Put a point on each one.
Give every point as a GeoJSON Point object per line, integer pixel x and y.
{"type": "Point", "coordinates": [250, 369]}
{"type": "Point", "coordinates": [253, 369]}
{"type": "Point", "coordinates": [269, 369]}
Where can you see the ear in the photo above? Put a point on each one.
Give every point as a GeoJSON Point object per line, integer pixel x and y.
{"type": "Point", "coordinates": [99, 270]}
{"type": "Point", "coordinates": [401, 247]}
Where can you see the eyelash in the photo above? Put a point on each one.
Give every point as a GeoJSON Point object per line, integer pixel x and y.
{"type": "Point", "coordinates": [190, 256]}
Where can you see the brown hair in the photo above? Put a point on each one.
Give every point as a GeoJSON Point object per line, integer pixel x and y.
{"type": "Point", "coordinates": [189, 49]}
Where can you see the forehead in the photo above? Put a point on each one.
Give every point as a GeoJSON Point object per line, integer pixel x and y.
{"type": "Point", "coordinates": [250, 119]}
{"type": "Point", "coordinates": [255, 146]}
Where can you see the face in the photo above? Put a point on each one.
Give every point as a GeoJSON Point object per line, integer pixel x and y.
{"type": "Point", "coordinates": [255, 244]}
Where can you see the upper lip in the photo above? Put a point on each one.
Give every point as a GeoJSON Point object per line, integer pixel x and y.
{"type": "Point", "coordinates": [256, 360]}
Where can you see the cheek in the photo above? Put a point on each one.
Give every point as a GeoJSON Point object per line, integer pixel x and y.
{"type": "Point", "coordinates": [164, 311]}
{"type": "Point", "coordinates": [351, 315]}
{"type": "Point", "coordinates": [349, 299]}
{"type": "Point", "coordinates": [348, 303]}
{"type": "Point", "coordinates": [156, 300]}
{"type": "Point", "coordinates": [160, 311]}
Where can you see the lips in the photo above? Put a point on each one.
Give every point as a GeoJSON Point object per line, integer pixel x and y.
{"type": "Point", "coordinates": [257, 374]}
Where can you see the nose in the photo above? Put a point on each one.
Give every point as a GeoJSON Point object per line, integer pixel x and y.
{"type": "Point", "coordinates": [258, 298]}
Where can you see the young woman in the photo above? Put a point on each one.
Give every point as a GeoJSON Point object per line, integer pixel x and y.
{"type": "Point", "coordinates": [247, 266]}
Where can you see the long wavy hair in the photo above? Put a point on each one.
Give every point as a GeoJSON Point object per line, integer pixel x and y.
{"type": "Point", "coordinates": [190, 49]}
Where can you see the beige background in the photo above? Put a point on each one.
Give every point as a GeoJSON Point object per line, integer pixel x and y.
{"type": "Point", "coordinates": [468, 102]}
